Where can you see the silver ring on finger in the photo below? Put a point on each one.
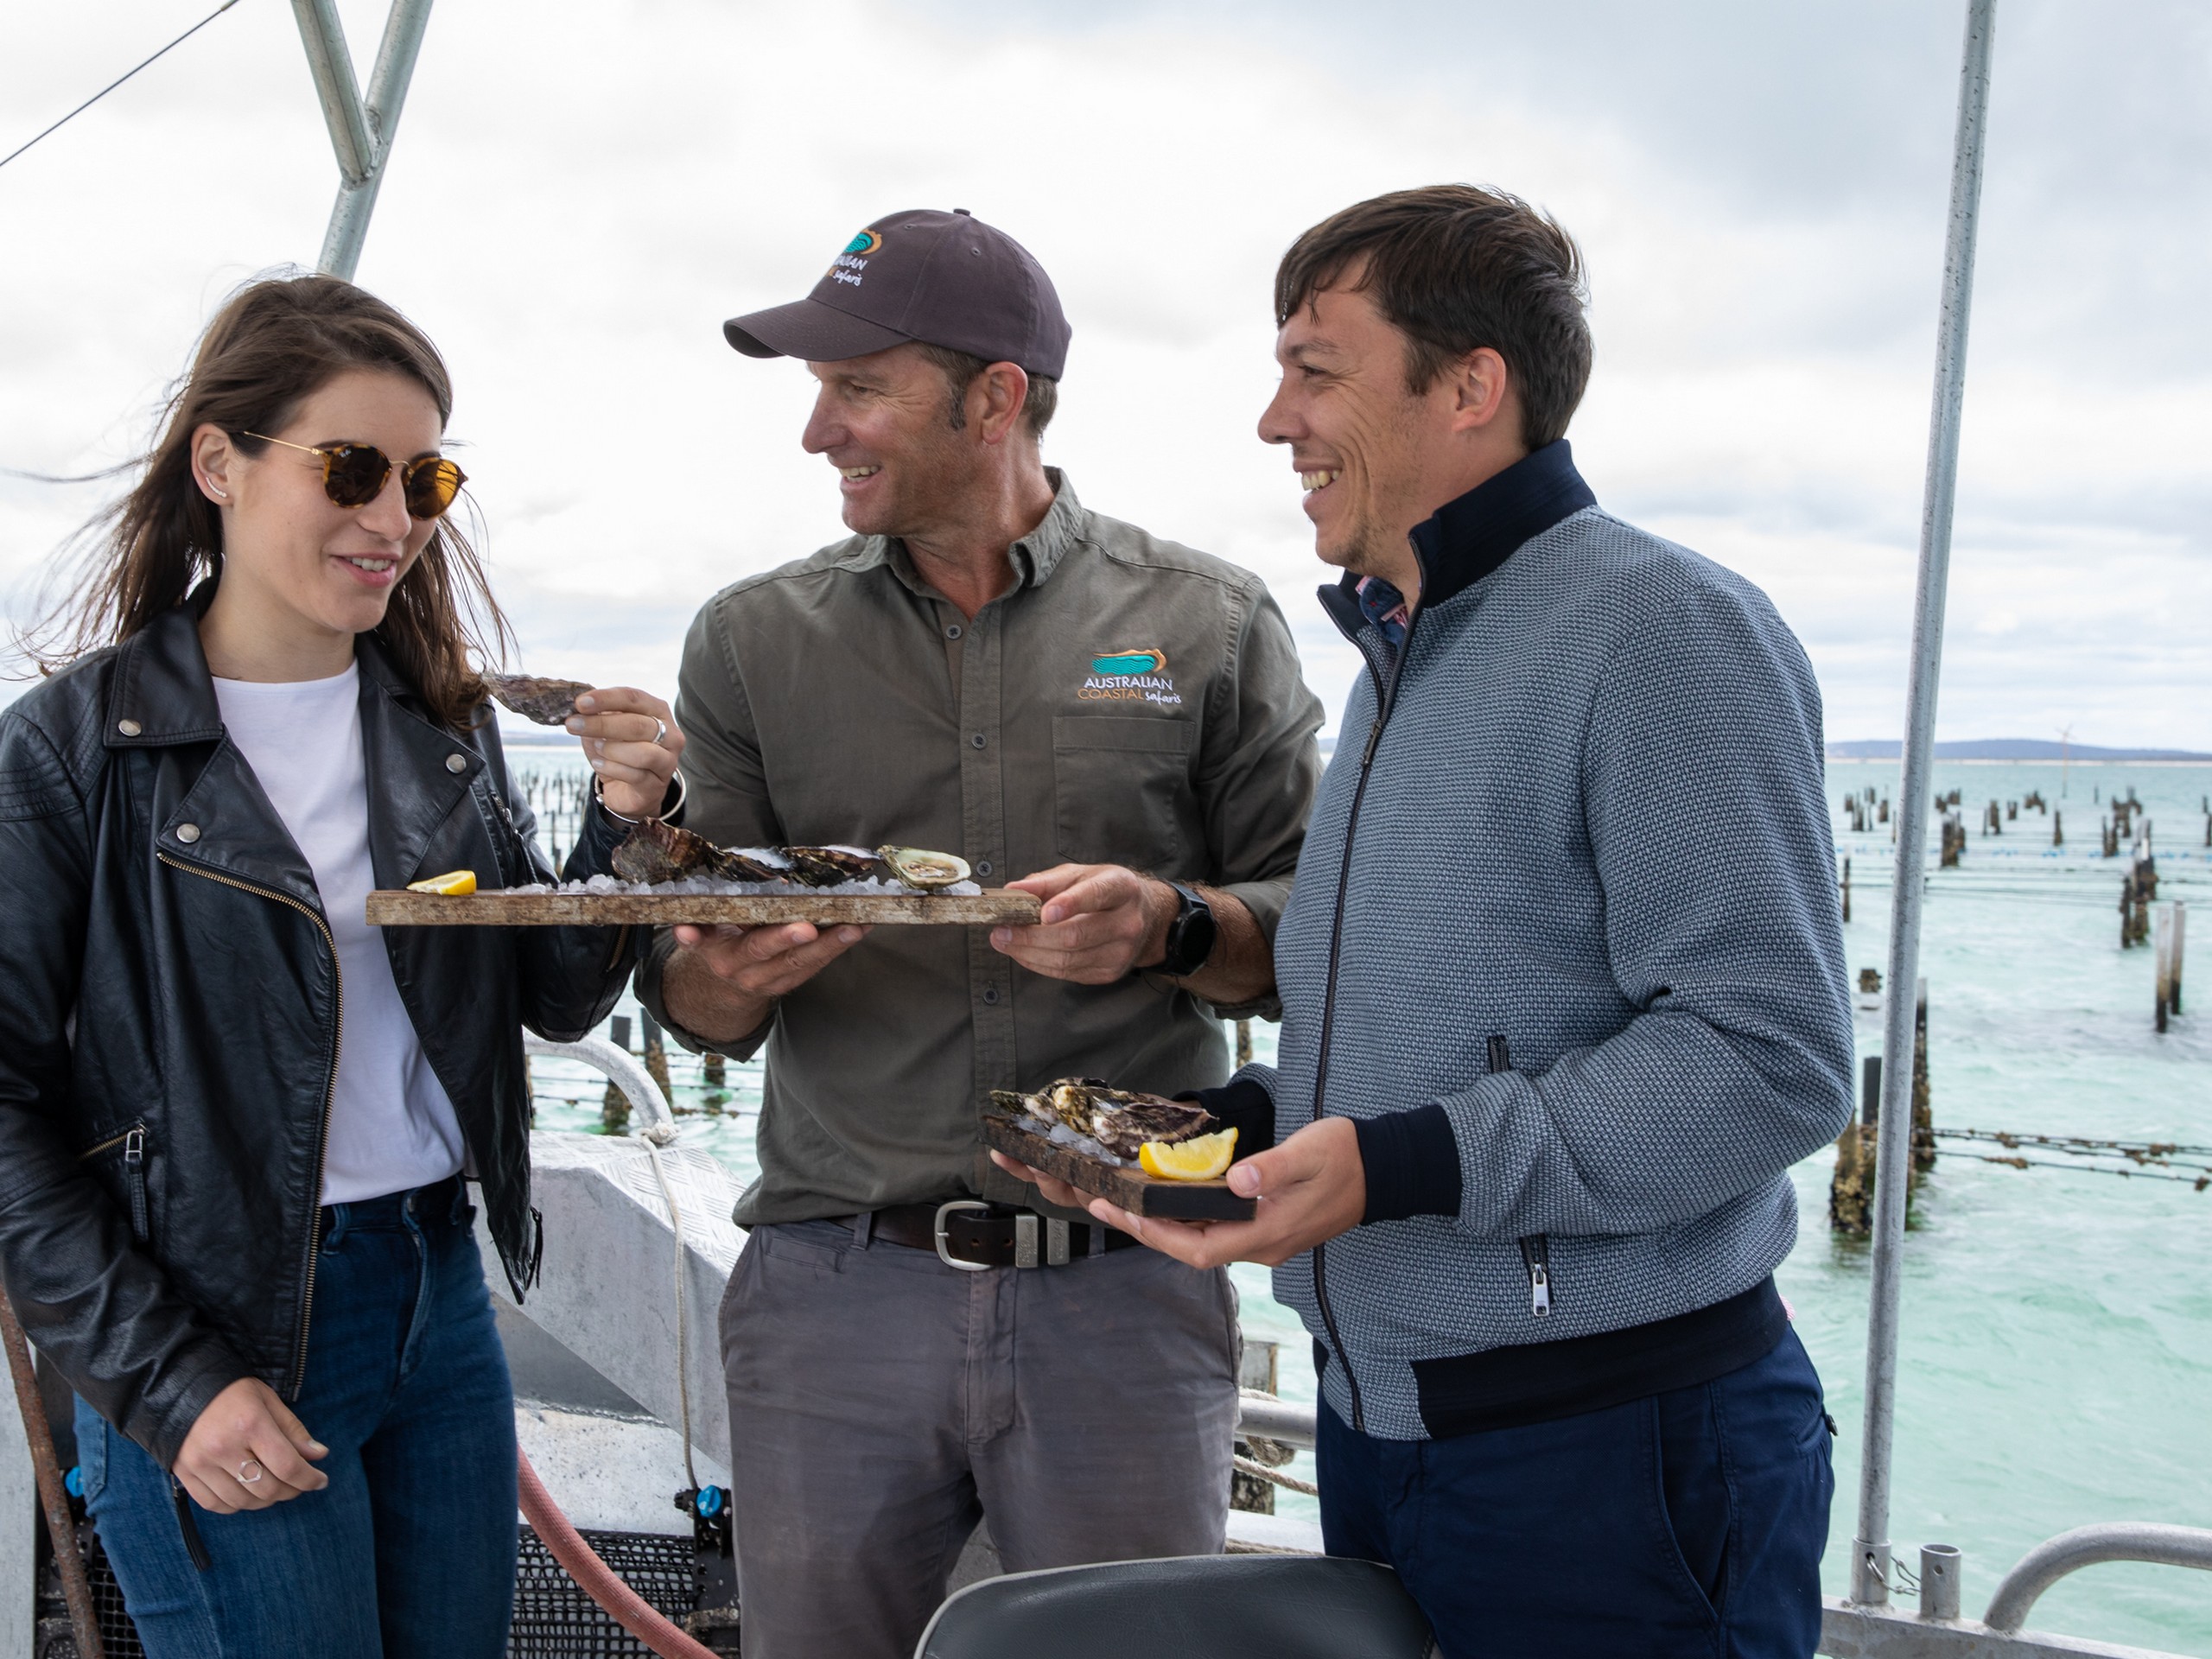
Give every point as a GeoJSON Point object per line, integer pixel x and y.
{"type": "Point", "coordinates": [660, 732]}
{"type": "Point", "coordinates": [250, 1471]}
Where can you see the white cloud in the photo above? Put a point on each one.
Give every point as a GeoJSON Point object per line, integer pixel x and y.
{"type": "Point", "coordinates": [581, 193]}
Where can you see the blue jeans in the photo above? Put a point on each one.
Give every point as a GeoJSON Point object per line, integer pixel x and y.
{"type": "Point", "coordinates": [1689, 1522]}
{"type": "Point", "coordinates": [411, 1549]}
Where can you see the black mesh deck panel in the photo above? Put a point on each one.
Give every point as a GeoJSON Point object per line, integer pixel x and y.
{"type": "Point", "coordinates": [554, 1618]}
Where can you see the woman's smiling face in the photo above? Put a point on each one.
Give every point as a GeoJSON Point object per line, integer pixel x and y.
{"type": "Point", "coordinates": [298, 556]}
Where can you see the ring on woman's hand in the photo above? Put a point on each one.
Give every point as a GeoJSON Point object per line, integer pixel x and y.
{"type": "Point", "coordinates": [661, 735]}
{"type": "Point", "coordinates": [250, 1471]}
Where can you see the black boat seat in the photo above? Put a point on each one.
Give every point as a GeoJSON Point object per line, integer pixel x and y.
{"type": "Point", "coordinates": [1203, 1606]}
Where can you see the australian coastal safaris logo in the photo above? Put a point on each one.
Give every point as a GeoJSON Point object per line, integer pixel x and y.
{"type": "Point", "coordinates": [848, 266]}
{"type": "Point", "coordinates": [1128, 675]}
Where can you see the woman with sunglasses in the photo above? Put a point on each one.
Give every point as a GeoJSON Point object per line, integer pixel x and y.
{"type": "Point", "coordinates": [237, 1125]}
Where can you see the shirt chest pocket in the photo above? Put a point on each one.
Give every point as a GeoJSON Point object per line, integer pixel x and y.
{"type": "Point", "coordinates": [1122, 793]}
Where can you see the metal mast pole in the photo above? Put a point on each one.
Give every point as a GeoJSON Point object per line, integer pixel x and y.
{"type": "Point", "coordinates": [361, 135]}
{"type": "Point", "coordinates": [1870, 1569]}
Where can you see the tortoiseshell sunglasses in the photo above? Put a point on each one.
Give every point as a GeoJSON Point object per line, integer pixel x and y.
{"type": "Point", "coordinates": [354, 475]}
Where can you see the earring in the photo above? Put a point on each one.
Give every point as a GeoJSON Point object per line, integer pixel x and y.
{"type": "Point", "coordinates": [217, 494]}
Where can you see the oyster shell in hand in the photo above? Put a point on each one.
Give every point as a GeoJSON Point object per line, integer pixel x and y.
{"type": "Point", "coordinates": [923, 871]}
{"type": "Point", "coordinates": [549, 703]}
{"type": "Point", "coordinates": [1119, 1119]}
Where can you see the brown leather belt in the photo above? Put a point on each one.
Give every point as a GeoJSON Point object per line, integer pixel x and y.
{"type": "Point", "coordinates": [972, 1234]}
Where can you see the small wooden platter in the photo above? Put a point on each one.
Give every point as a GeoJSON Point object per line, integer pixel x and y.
{"type": "Point", "coordinates": [1132, 1188]}
{"type": "Point", "coordinates": [391, 907]}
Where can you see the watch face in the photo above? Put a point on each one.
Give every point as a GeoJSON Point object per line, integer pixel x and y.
{"type": "Point", "coordinates": [1190, 940]}
{"type": "Point", "coordinates": [1198, 933]}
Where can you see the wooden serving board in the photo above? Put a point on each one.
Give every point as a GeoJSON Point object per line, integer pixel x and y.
{"type": "Point", "coordinates": [1132, 1188]}
{"type": "Point", "coordinates": [390, 907]}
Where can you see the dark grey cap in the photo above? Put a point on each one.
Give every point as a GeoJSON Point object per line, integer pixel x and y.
{"type": "Point", "coordinates": [943, 279]}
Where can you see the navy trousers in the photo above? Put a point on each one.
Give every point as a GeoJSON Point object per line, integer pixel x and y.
{"type": "Point", "coordinates": [410, 1552]}
{"type": "Point", "coordinates": [1685, 1523]}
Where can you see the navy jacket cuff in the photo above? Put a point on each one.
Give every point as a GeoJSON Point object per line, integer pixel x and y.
{"type": "Point", "coordinates": [1412, 1161]}
{"type": "Point", "coordinates": [1245, 1106]}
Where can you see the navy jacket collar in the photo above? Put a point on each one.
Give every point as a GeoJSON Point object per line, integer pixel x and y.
{"type": "Point", "coordinates": [1469, 537]}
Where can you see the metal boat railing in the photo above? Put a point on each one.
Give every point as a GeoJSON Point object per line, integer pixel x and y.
{"type": "Point", "coordinates": [2113, 1540]}
{"type": "Point", "coordinates": [622, 1068]}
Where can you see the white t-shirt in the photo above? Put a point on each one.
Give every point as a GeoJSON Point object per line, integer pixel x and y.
{"type": "Point", "coordinates": [391, 1126]}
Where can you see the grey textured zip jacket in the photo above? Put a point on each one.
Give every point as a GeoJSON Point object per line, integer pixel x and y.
{"type": "Point", "coordinates": [1582, 810]}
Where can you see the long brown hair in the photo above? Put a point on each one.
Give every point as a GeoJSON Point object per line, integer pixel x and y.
{"type": "Point", "coordinates": [274, 343]}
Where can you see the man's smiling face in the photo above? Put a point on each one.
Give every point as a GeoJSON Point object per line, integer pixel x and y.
{"type": "Point", "coordinates": [884, 421]}
{"type": "Point", "coordinates": [1358, 439]}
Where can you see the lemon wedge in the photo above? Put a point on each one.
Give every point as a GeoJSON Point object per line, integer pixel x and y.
{"type": "Point", "coordinates": [1202, 1158]}
{"type": "Point", "coordinates": [454, 884]}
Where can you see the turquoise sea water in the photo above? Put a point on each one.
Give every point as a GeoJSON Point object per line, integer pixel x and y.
{"type": "Point", "coordinates": [2056, 1364]}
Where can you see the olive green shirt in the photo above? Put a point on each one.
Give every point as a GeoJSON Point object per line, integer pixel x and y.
{"type": "Point", "coordinates": [1128, 702]}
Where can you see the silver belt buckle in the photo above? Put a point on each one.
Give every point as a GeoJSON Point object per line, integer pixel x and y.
{"type": "Point", "coordinates": [936, 1231]}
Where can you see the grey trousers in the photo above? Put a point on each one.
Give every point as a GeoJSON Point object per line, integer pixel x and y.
{"type": "Point", "coordinates": [881, 1402]}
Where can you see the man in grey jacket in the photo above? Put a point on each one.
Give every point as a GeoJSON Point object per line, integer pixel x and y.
{"type": "Point", "coordinates": [1563, 989]}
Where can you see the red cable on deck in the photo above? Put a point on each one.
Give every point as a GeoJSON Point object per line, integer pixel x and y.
{"type": "Point", "coordinates": [600, 1582]}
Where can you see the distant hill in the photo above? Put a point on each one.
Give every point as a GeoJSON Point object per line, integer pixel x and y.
{"type": "Point", "coordinates": [1981, 748]}
{"type": "Point", "coordinates": [2005, 748]}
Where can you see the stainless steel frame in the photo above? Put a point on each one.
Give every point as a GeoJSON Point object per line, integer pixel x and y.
{"type": "Point", "coordinates": [1870, 1569]}
{"type": "Point", "coordinates": [360, 135]}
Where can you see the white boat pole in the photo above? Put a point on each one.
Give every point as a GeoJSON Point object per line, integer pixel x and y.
{"type": "Point", "coordinates": [1870, 1569]}
{"type": "Point", "coordinates": [361, 135]}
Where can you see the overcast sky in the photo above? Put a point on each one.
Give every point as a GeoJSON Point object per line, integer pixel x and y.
{"type": "Point", "coordinates": [581, 193]}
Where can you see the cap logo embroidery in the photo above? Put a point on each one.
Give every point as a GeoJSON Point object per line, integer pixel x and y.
{"type": "Point", "coordinates": [1129, 676]}
{"type": "Point", "coordinates": [848, 266]}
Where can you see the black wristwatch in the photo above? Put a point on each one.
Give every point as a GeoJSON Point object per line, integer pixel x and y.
{"type": "Point", "coordinates": [1190, 936]}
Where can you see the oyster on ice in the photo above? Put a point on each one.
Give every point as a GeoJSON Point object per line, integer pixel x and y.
{"type": "Point", "coordinates": [827, 866]}
{"type": "Point", "coordinates": [549, 703]}
{"type": "Point", "coordinates": [734, 866]}
{"type": "Point", "coordinates": [1119, 1119]}
{"type": "Point", "coordinates": [925, 871]}
{"type": "Point", "coordinates": [656, 851]}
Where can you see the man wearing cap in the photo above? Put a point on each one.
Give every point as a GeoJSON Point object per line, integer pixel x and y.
{"type": "Point", "coordinates": [987, 668]}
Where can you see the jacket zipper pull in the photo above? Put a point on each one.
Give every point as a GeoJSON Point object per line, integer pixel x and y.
{"type": "Point", "coordinates": [1536, 1251]}
{"type": "Point", "coordinates": [192, 1545]}
{"type": "Point", "coordinates": [1374, 737]}
{"type": "Point", "coordinates": [134, 1175]}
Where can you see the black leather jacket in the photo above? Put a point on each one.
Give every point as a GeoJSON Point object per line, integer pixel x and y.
{"type": "Point", "coordinates": [169, 1017]}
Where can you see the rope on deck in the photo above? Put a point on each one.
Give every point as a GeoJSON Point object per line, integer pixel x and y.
{"type": "Point", "coordinates": [597, 1579]}
{"type": "Point", "coordinates": [1273, 1476]}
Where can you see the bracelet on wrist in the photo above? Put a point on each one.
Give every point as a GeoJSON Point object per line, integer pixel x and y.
{"type": "Point", "coordinates": [675, 782]}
